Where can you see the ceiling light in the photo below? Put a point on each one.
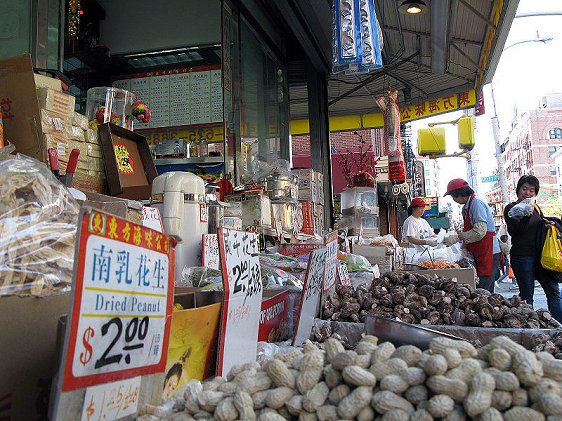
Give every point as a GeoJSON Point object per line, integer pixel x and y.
{"type": "Point", "coordinates": [413, 7]}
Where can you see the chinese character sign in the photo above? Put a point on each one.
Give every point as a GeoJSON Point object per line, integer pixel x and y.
{"type": "Point", "coordinates": [211, 251]}
{"type": "Point", "coordinates": [111, 401]}
{"type": "Point", "coordinates": [331, 261]}
{"type": "Point", "coordinates": [122, 302]}
{"type": "Point", "coordinates": [242, 298]}
{"type": "Point", "coordinates": [311, 294]}
{"type": "Point", "coordinates": [125, 164]}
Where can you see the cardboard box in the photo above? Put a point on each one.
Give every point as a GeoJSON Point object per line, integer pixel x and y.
{"type": "Point", "coordinates": [274, 317]}
{"type": "Point", "coordinates": [371, 251]}
{"type": "Point", "coordinates": [80, 120]}
{"type": "Point", "coordinates": [255, 209]}
{"type": "Point", "coordinates": [20, 112]}
{"type": "Point", "coordinates": [42, 81]}
{"type": "Point", "coordinates": [52, 122]}
{"type": "Point", "coordinates": [56, 101]}
{"type": "Point", "coordinates": [28, 354]}
{"type": "Point", "coordinates": [306, 176]}
{"type": "Point", "coordinates": [461, 275]}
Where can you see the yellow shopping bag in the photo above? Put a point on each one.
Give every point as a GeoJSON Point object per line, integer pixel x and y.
{"type": "Point", "coordinates": [551, 257]}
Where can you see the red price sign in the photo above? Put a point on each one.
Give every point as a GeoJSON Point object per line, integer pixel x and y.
{"type": "Point", "coordinates": [122, 305]}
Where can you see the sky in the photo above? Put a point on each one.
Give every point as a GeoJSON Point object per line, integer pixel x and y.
{"type": "Point", "coordinates": [525, 73]}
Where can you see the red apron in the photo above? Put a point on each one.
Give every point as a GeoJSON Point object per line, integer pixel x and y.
{"type": "Point", "coordinates": [483, 250]}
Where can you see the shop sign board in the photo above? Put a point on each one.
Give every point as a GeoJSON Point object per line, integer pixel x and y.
{"type": "Point", "coordinates": [210, 251]}
{"type": "Point", "coordinates": [241, 272]}
{"type": "Point", "coordinates": [122, 296]}
{"type": "Point", "coordinates": [431, 206]}
{"type": "Point", "coordinates": [490, 178]}
{"type": "Point", "coordinates": [311, 295]}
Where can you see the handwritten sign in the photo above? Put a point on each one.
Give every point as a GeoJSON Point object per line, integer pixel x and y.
{"type": "Point", "coordinates": [122, 302]}
{"type": "Point", "coordinates": [343, 274]}
{"type": "Point", "coordinates": [111, 401]}
{"type": "Point", "coordinates": [242, 298]}
{"type": "Point", "coordinates": [210, 251]}
{"type": "Point", "coordinates": [152, 219]}
{"type": "Point", "coordinates": [311, 294]}
{"type": "Point", "coordinates": [331, 242]}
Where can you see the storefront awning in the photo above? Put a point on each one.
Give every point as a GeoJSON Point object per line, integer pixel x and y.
{"type": "Point", "coordinates": [419, 63]}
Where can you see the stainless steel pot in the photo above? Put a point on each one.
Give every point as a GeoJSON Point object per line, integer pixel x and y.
{"type": "Point", "coordinates": [215, 214]}
{"type": "Point", "coordinates": [282, 186]}
{"type": "Point", "coordinates": [284, 215]}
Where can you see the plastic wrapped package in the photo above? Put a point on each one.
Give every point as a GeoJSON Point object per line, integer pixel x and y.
{"type": "Point", "coordinates": [279, 261]}
{"type": "Point", "coordinates": [354, 262]}
{"type": "Point", "coordinates": [6, 151]}
{"type": "Point", "coordinates": [267, 350]}
{"type": "Point", "coordinates": [273, 277]}
{"type": "Point", "coordinates": [201, 277]}
{"type": "Point", "coordinates": [38, 218]}
{"type": "Point", "coordinates": [522, 209]}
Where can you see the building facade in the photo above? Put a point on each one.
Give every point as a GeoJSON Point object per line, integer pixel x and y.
{"type": "Point", "coordinates": [431, 176]}
{"type": "Point", "coordinates": [530, 147]}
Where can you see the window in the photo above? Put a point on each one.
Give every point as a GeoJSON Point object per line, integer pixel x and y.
{"type": "Point", "coordinates": [553, 170]}
{"type": "Point", "coordinates": [555, 133]}
{"type": "Point", "coordinates": [551, 150]}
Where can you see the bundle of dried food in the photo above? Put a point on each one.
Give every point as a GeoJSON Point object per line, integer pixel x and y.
{"type": "Point", "coordinates": [38, 220]}
{"type": "Point", "coordinates": [452, 380]}
{"type": "Point", "coordinates": [423, 299]}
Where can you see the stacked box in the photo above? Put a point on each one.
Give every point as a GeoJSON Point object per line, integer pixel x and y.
{"type": "Point", "coordinates": [65, 130]}
{"type": "Point", "coordinates": [360, 211]}
{"type": "Point", "coordinates": [310, 185]}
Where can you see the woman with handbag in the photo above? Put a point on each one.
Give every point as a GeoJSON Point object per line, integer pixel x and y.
{"type": "Point", "coordinates": [525, 224]}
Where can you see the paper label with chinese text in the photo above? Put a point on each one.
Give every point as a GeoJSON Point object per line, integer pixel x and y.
{"type": "Point", "coordinates": [111, 401]}
{"type": "Point", "coordinates": [311, 295]}
{"type": "Point", "coordinates": [242, 298]}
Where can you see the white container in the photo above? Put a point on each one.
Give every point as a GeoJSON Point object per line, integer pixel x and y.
{"type": "Point", "coordinates": [180, 197]}
{"type": "Point", "coordinates": [359, 200]}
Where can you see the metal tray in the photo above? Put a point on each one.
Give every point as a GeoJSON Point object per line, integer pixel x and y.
{"type": "Point", "coordinates": [400, 333]}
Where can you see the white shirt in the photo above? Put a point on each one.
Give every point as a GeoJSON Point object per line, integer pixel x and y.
{"type": "Point", "coordinates": [418, 228]}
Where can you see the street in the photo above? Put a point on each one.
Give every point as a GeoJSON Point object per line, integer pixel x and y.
{"type": "Point", "coordinates": [539, 298]}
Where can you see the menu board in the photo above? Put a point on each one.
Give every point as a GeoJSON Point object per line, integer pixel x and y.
{"type": "Point", "coordinates": [180, 106]}
{"type": "Point", "coordinates": [160, 101]}
{"type": "Point", "coordinates": [178, 97]}
{"type": "Point", "coordinates": [141, 88]}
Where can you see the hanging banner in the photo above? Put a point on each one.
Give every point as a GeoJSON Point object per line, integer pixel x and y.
{"type": "Point", "coordinates": [241, 273]}
{"type": "Point", "coordinates": [311, 295]}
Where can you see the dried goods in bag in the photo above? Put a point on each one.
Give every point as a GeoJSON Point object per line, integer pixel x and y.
{"type": "Point", "coordinates": [38, 219]}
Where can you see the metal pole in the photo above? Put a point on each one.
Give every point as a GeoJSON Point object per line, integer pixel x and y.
{"type": "Point", "coordinates": [499, 159]}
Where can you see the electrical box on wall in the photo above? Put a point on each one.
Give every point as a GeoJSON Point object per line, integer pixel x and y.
{"type": "Point", "coordinates": [466, 132]}
{"type": "Point", "coordinates": [431, 141]}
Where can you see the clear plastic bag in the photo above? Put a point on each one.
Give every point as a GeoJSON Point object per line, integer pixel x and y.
{"type": "Point", "coordinates": [38, 218]}
{"type": "Point", "coordinates": [201, 277]}
{"type": "Point", "coordinates": [522, 209]}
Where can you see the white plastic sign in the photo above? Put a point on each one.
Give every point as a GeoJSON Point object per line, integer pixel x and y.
{"type": "Point", "coordinates": [311, 295]}
{"type": "Point", "coordinates": [331, 261]}
{"type": "Point", "coordinates": [211, 251]}
{"type": "Point", "coordinates": [242, 298]}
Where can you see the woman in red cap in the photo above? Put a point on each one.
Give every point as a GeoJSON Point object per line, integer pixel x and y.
{"type": "Point", "coordinates": [478, 234]}
{"type": "Point", "coordinates": [417, 230]}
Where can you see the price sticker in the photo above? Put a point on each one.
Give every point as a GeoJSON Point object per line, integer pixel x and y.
{"type": "Point", "coordinates": [243, 294]}
{"type": "Point", "coordinates": [311, 295]}
{"type": "Point", "coordinates": [211, 251]}
{"type": "Point", "coordinates": [343, 274]}
{"type": "Point", "coordinates": [111, 401]}
{"type": "Point", "coordinates": [331, 261]}
{"type": "Point", "coordinates": [122, 303]}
